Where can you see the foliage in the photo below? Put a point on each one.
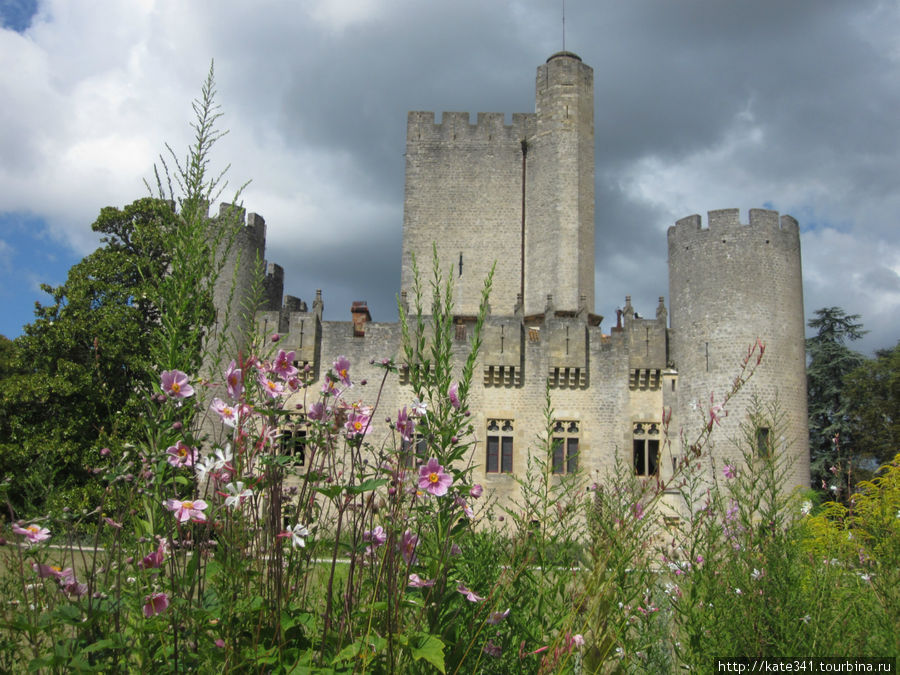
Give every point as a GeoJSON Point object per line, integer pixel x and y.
{"type": "Point", "coordinates": [831, 440]}
{"type": "Point", "coordinates": [872, 395]}
{"type": "Point", "coordinates": [72, 376]}
{"type": "Point", "coordinates": [139, 303]}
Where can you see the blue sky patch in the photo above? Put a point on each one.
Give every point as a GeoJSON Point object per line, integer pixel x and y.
{"type": "Point", "coordinates": [16, 14]}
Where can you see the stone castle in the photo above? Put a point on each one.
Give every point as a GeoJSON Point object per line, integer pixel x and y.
{"type": "Point", "coordinates": [522, 196]}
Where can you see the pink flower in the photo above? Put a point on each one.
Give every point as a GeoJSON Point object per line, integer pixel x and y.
{"type": "Point", "coordinates": [459, 501]}
{"type": "Point", "coordinates": [732, 512]}
{"type": "Point", "coordinates": [33, 533]}
{"type": "Point", "coordinates": [476, 491]}
{"type": "Point", "coordinates": [342, 369]}
{"type": "Point", "coordinates": [728, 472]}
{"type": "Point", "coordinates": [492, 650]}
{"type": "Point", "coordinates": [453, 393]}
{"type": "Point", "coordinates": [433, 479]}
{"type": "Point", "coordinates": [376, 537]}
{"type": "Point", "coordinates": [271, 388]}
{"type": "Point", "coordinates": [329, 388]}
{"type": "Point", "coordinates": [181, 455]}
{"type": "Point", "coordinates": [284, 364]}
{"type": "Point", "coordinates": [188, 510]}
{"type": "Point", "coordinates": [496, 617]}
{"type": "Point", "coordinates": [154, 560]}
{"type": "Point", "coordinates": [226, 411]}
{"type": "Point", "coordinates": [71, 586]}
{"type": "Point", "coordinates": [638, 510]}
{"type": "Point", "coordinates": [155, 604]}
{"type": "Point", "coordinates": [44, 571]}
{"type": "Point", "coordinates": [470, 595]}
{"type": "Point", "coordinates": [408, 544]}
{"type": "Point", "coordinates": [175, 384]}
{"type": "Point", "coordinates": [358, 423]}
{"type": "Point", "coordinates": [716, 412]}
{"type": "Point", "coordinates": [234, 380]}
{"type": "Point", "coordinates": [317, 411]}
{"type": "Point", "coordinates": [417, 582]}
{"type": "Point", "coordinates": [405, 425]}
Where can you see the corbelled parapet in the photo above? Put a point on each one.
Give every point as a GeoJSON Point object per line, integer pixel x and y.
{"type": "Point", "coordinates": [501, 351]}
{"type": "Point", "coordinates": [566, 339]}
{"type": "Point", "coordinates": [645, 340]}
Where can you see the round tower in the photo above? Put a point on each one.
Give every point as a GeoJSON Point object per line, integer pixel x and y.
{"type": "Point", "coordinates": [238, 280]}
{"type": "Point", "coordinates": [731, 284]}
{"type": "Point", "coordinates": [559, 188]}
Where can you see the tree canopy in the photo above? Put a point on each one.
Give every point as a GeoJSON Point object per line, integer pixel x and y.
{"type": "Point", "coordinates": [70, 378]}
{"type": "Point", "coordinates": [829, 358]}
{"type": "Point", "coordinates": [872, 395]}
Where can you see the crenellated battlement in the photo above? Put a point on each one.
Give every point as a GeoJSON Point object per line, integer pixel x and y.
{"type": "Point", "coordinates": [251, 235]}
{"type": "Point", "coordinates": [725, 221]}
{"type": "Point", "coordinates": [456, 127]}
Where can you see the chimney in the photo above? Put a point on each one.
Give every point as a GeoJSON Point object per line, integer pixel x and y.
{"type": "Point", "coordinates": [360, 312]}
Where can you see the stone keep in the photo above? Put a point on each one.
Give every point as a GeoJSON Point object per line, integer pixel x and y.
{"type": "Point", "coordinates": [521, 196]}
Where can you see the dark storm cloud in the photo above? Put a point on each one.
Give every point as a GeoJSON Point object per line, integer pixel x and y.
{"type": "Point", "coordinates": [700, 105]}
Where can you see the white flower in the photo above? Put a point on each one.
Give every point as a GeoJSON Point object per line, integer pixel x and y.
{"type": "Point", "coordinates": [806, 619]}
{"type": "Point", "coordinates": [419, 408]}
{"type": "Point", "coordinates": [222, 457]}
{"type": "Point", "coordinates": [805, 508]}
{"type": "Point", "coordinates": [203, 467]}
{"type": "Point", "coordinates": [298, 532]}
{"type": "Point", "coordinates": [738, 591]}
{"type": "Point", "coordinates": [236, 493]}
{"type": "Point", "coordinates": [866, 577]}
{"type": "Point", "coordinates": [755, 574]}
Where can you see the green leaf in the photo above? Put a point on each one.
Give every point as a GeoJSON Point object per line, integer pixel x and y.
{"type": "Point", "coordinates": [429, 648]}
{"type": "Point", "coordinates": [347, 653]}
{"type": "Point", "coordinates": [106, 643]}
{"type": "Point", "coordinates": [69, 613]}
{"type": "Point", "coordinates": [330, 491]}
{"type": "Point", "coordinates": [371, 484]}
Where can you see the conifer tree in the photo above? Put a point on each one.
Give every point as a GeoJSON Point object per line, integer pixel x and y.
{"type": "Point", "coordinates": [831, 441]}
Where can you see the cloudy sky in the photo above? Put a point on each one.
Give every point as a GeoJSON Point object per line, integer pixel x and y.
{"type": "Point", "coordinates": [700, 105]}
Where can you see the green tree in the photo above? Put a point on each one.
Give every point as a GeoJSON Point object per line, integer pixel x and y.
{"type": "Point", "coordinates": [70, 383]}
{"type": "Point", "coordinates": [829, 360]}
{"type": "Point", "coordinates": [872, 395]}
{"type": "Point", "coordinates": [141, 303]}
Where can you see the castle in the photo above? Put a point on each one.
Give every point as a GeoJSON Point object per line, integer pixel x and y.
{"type": "Point", "coordinates": [522, 195]}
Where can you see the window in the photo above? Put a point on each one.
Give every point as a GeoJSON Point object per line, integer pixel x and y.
{"type": "Point", "coordinates": [565, 446]}
{"type": "Point", "coordinates": [499, 446]}
{"type": "Point", "coordinates": [293, 443]}
{"type": "Point", "coordinates": [413, 452]}
{"type": "Point", "coordinates": [646, 448]}
{"type": "Point", "coordinates": [763, 449]}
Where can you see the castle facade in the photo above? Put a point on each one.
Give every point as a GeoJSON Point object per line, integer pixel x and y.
{"type": "Point", "coordinates": [521, 196]}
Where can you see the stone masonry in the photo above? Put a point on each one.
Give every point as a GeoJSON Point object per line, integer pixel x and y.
{"type": "Point", "coordinates": [522, 196]}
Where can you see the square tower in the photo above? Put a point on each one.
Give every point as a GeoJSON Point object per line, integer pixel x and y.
{"type": "Point", "coordinates": [520, 195]}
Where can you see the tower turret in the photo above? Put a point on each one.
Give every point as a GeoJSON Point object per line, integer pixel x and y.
{"type": "Point", "coordinates": [559, 194]}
